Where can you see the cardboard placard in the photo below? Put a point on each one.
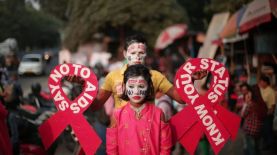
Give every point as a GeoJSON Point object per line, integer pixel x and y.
{"type": "Point", "coordinates": [203, 113]}
{"type": "Point", "coordinates": [71, 112]}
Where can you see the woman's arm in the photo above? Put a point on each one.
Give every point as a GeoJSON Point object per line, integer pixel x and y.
{"type": "Point", "coordinates": [172, 92]}
{"type": "Point", "coordinates": [100, 99]}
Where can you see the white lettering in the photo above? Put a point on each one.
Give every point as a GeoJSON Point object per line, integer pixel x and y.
{"type": "Point", "coordinates": [189, 89]}
{"type": "Point", "coordinates": [56, 75]}
{"type": "Point", "coordinates": [188, 79]}
{"type": "Point", "coordinates": [213, 97]}
{"type": "Point", "coordinates": [64, 69]}
{"type": "Point", "coordinates": [88, 96]}
{"type": "Point", "coordinates": [200, 110]}
{"type": "Point", "coordinates": [53, 88]}
{"type": "Point", "coordinates": [82, 102]}
{"type": "Point", "coordinates": [193, 98]}
{"type": "Point", "coordinates": [188, 66]}
{"type": "Point", "coordinates": [225, 82]}
{"type": "Point", "coordinates": [63, 105]}
{"type": "Point", "coordinates": [214, 63]}
{"type": "Point", "coordinates": [220, 71]}
{"type": "Point", "coordinates": [85, 73]}
{"type": "Point", "coordinates": [58, 96]}
{"type": "Point", "coordinates": [216, 89]}
{"type": "Point", "coordinates": [207, 120]}
{"type": "Point", "coordinates": [76, 68]}
{"type": "Point", "coordinates": [204, 64]}
{"type": "Point", "coordinates": [218, 140]}
{"type": "Point", "coordinates": [213, 130]}
{"type": "Point", "coordinates": [90, 87]}
{"type": "Point", "coordinates": [75, 108]}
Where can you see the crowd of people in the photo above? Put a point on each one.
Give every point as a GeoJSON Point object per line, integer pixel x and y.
{"type": "Point", "coordinates": [135, 102]}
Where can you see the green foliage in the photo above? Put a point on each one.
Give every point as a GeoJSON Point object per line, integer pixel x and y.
{"type": "Point", "coordinates": [198, 19]}
{"type": "Point", "coordinates": [57, 8]}
{"type": "Point", "coordinates": [148, 17]}
{"type": "Point", "coordinates": [200, 12]}
{"type": "Point", "coordinates": [232, 6]}
{"type": "Point", "coordinates": [31, 28]}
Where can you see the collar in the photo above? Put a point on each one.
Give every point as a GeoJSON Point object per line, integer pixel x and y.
{"type": "Point", "coordinates": [123, 69]}
{"type": "Point", "coordinates": [144, 110]}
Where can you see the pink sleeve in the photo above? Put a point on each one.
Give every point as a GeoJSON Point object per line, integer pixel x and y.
{"type": "Point", "coordinates": [111, 141]}
{"type": "Point", "coordinates": [166, 139]}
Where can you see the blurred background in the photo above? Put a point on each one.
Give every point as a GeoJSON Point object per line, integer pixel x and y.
{"type": "Point", "coordinates": [37, 35]}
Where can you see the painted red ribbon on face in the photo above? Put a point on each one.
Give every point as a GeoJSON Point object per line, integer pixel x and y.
{"type": "Point", "coordinates": [203, 113]}
{"type": "Point", "coordinates": [71, 112]}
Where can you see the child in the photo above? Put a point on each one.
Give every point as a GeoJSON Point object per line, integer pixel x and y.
{"type": "Point", "coordinates": [139, 126]}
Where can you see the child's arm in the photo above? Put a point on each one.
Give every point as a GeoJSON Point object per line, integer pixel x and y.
{"type": "Point", "coordinates": [111, 138]}
{"type": "Point", "coordinates": [166, 138]}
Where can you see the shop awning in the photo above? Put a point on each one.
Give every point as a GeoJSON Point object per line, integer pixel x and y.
{"type": "Point", "coordinates": [232, 26]}
{"type": "Point", "coordinates": [256, 13]}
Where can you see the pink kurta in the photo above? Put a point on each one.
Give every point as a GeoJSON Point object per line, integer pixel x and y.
{"type": "Point", "coordinates": [149, 135]}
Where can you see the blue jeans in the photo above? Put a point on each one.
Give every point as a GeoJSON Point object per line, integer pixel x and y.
{"type": "Point", "coordinates": [13, 125]}
{"type": "Point", "coordinates": [251, 145]}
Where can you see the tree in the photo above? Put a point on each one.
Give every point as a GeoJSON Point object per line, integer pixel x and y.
{"type": "Point", "coordinates": [56, 8]}
{"type": "Point", "coordinates": [148, 17]}
{"type": "Point", "coordinates": [31, 28]}
{"type": "Point", "coordinates": [198, 18]}
{"type": "Point", "coordinates": [232, 6]}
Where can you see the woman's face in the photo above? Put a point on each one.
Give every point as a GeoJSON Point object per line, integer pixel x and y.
{"type": "Point", "coordinates": [136, 88]}
{"type": "Point", "coordinates": [136, 53]}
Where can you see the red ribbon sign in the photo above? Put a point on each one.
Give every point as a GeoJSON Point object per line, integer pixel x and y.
{"type": "Point", "coordinates": [203, 113]}
{"type": "Point", "coordinates": [71, 112]}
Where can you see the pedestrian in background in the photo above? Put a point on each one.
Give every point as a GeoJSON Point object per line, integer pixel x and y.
{"type": "Point", "coordinates": [268, 95]}
{"type": "Point", "coordinates": [252, 121]}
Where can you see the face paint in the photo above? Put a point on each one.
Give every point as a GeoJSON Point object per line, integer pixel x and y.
{"type": "Point", "coordinates": [136, 88]}
{"type": "Point", "coordinates": [136, 53]}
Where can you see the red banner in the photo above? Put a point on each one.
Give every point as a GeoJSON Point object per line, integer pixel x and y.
{"type": "Point", "coordinates": [203, 113]}
{"type": "Point", "coordinates": [71, 112]}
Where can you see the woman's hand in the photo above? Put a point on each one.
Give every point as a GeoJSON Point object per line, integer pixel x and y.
{"type": "Point", "coordinates": [75, 79]}
{"type": "Point", "coordinates": [198, 75]}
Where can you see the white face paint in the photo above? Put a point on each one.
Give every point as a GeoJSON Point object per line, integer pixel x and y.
{"type": "Point", "coordinates": [136, 88]}
{"type": "Point", "coordinates": [136, 53]}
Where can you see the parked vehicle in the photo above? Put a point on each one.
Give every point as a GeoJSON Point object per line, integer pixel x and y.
{"type": "Point", "coordinates": [32, 63]}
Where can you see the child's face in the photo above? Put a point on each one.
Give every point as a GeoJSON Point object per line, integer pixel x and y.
{"type": "Point", "coordinates": [136, 88]}
{"type": "Point", "coordinates": [135, 53]}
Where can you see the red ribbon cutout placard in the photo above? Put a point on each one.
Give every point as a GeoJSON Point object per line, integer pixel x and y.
{"type": "Point", "coordinates": [203, 113]}
{"type": "Point", "coordinates": [71, 112]}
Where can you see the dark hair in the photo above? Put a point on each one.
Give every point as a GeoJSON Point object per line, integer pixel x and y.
{"type": "Point", "coordinates": [265, 79]}
{"type": "Point", "coordinates": [245, 85]}
{"type": "Point", "coordinates": [139, 70]}
{"type": "Point", "coordinates": [134, 39]}
{"type": "Point", "coordinates": [36, 88]}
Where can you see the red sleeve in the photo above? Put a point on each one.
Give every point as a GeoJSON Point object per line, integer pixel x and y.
{"type": "Point", "coordinates": [112, 137]}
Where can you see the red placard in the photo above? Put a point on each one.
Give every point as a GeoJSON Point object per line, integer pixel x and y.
{"type": "Point", "coordinates": [71, 112]}
{"type": "Point", "coordinates": [203, 113]}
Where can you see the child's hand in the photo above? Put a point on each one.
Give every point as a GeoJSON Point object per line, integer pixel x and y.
{"type": "Point", "coordinates": [113, 123]}
{"type": "Point", "coordinates": [198, 75]}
